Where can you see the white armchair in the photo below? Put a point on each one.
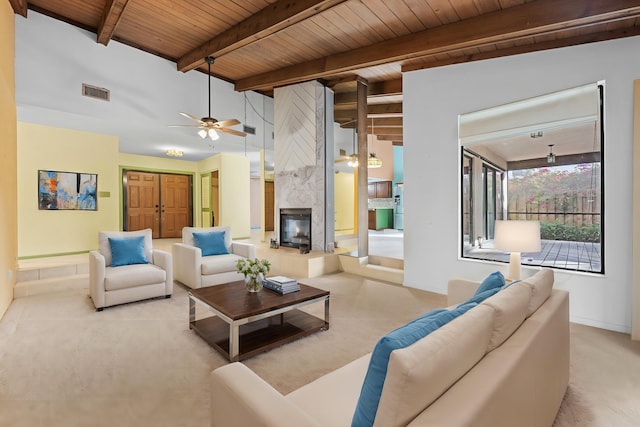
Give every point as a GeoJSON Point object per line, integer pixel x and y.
{"type": "Point", "coordinates": [196, 271]}
{"type": "Point", "coordinates": [118, 284]}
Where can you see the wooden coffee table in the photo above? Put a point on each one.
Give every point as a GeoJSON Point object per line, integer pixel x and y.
{"type": "Point", "coordinates": [248, 323]}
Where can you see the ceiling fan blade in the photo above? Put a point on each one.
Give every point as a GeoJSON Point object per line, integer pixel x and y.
{"type": "Point", "coordinates": [232, 131]}
{"type": "Point", "coordinates": [189, 116]}
{"type": "Point", "coordinates": [225, 123]}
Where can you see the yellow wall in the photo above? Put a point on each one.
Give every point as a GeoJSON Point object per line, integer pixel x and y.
{"type": "Point", "coordinates": [8, 144]}
{"type": "Point", "coordinates": [344, 200]}
{"type": "Point", "coordinates": [235, 190]}
{"type": "Point", "coordinates": [43, 232]}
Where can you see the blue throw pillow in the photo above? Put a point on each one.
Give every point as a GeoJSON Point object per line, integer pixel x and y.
{"type": "Point", "coordinates": [400, 338]}
{"type": "Point", "coordinates": [211, 243]}
{"type": "Point", "coordinates": [494, 280]}
{"type": "Point", "coordinates": [127, 251]}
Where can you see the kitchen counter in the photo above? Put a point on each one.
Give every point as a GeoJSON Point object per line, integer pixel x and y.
{"type": "Point", "coordinates": [380, 219]}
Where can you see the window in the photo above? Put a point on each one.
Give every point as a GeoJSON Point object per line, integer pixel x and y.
{"type": "Point", "coordinates": [550, 172]}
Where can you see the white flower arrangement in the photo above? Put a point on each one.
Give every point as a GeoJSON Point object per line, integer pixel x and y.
{"type": "Point", "coordinates": [253, 267]}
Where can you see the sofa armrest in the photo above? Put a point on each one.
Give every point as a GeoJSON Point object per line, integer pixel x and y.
{"type": "Point", "coordinates": [460, 290]}
{"type": "Point", "coordinates": [163, 260]}
{"type": "Point", "coordinates": [187, 264]}
{"type": "Point", "coordinates": [239, 397]}
{"type": "Point", "coordinates": [97, 270]}
{"type": "Point", "coordinates": [247, 250]}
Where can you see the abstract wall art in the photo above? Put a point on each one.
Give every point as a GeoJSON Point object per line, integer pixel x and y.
{"type": "Point", "coordinates": [67, 190]}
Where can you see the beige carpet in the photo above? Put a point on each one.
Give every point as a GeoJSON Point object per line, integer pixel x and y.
{"type": "Point", "coordinates": [64, 364]}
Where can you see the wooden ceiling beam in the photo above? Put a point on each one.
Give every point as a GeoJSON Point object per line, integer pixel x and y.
{"type": "Point", "coordinates": [19, 6]}
{"type": "Point", "coordinates": [378, 122]}
{"type": "Point", "coordinates": [372, 109]}
{"type": "Point", "coordinates": [113, 11]}
{"type": "Point", "coordinates": [541, 17]}
{"type": "Point", "coordinates": [430, 62]}
{"type": "Point", "coordinates": [273, 18]}
{"type": "Point", "coordinates": [389, 137]}
{"type": "Point", "coordinates": [385, 130]}
{"type": "Point", "coordinates": [376, 89]}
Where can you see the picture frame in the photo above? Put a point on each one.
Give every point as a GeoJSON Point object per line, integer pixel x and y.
{"type": "Point", "coordinates": [59, 190]}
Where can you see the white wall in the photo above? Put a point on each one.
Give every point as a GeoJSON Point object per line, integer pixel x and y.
{"type": "Point", "coordinates": [53, 59]}
{"type": "Point", "coordinates": [433, 99]}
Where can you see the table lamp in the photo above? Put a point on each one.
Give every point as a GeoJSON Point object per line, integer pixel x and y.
{"type": "Point", "coordinates": [516, 237]}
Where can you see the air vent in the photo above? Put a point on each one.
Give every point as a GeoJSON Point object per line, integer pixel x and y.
{"type": "Point", "coordinates": [249, 129]}
{"type": "Point", "coordinates": [95, 92]}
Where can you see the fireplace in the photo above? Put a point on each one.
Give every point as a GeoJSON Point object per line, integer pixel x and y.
{"type": "Point", "coordinates": [295, 228]}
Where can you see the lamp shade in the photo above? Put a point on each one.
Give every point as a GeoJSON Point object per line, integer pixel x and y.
{"type": "Point", "coordinates": [517, 236]}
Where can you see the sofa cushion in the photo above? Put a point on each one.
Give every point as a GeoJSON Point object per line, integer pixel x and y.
{"type": "Point", "coordinates": [127, 251]}
{"type": "Point", "coordinates": [211, 243]}
{"type": "Point", "coordinates": [492, 281]}
{"type": "Point", "coordinates": [510, 307]}
{"type": "Point", "coordinates": [418, 374]}
{"type": "Point", "coordinates": [187, 234]}
{"type": "Point", "coordinates": [105, 248]}
{"type": "Point", "coordinates": [129, 276]}
{"type": "Point", "coordinates": [215, 264]}
{"type": "Point", "coordinates": [402, 337]}
{"type": "Point", "coordinates": [541, 285]}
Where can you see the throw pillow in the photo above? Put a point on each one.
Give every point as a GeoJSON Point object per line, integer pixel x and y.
{"type": "Point", "coordinates": [402, 337]}
{"type": "Point", "coordinates": [211, 243]}
{"type": "Point", "coordinates": [494, 280]}
{"type": "Point", "coordinates": [127, 251]}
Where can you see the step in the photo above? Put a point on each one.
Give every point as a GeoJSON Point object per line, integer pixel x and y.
{"type": "Point", "coordinates": [51, 284]}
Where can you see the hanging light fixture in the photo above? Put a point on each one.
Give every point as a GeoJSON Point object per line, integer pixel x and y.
{"type": "Point", "coordinates": [551, 158]}
{"type": "Point", "coordinates": [353, 159]}
{"type": "Point", "coordinates": [373, 161]}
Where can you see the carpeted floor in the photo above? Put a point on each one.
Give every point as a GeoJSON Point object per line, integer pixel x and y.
{"type": "Point", "coordinates": [64, 364]}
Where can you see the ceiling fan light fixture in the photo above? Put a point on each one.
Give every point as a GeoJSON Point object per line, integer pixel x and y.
{"type": "Point", "coordinates": [373, 161]}
{"type": "Point", "coordinates": [353, 161]}
{"type": "Point", "coordinates": [202, 133]}
{"type": "Point", "coordinates": [213, 134]}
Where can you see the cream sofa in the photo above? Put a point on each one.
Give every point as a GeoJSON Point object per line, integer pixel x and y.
{"type": "Point", "coordinates": [109, 285]}
{"type": "Point", "coordinates": [196, 271]}
{"type": "Point", "coordinates": [504, 362]}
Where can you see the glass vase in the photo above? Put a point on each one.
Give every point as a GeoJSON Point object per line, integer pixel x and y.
{"type": "Point", "coordinates": [253, 283]}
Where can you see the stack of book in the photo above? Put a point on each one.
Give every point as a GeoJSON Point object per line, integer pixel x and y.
{"type": "Point", "coordinates": [281, 284]}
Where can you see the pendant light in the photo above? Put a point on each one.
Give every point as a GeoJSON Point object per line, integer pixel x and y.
{"type": "Point", "coordinates": [373, 161]}
{"type": "Point", "coordinates": [353, 159]}
{"type": "Point", "coordinates": [551, 158]}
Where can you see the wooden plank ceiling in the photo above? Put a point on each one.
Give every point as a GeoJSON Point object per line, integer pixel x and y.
{"type": "Point", "coordinates": [262, 44]}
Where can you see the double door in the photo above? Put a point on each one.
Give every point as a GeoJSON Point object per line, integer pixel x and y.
{"type": "Point", "coordinates": [159, 201]}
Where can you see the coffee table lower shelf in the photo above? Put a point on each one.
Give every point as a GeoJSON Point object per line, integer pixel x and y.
{"type": "Point", "coordinates": [258, 336]}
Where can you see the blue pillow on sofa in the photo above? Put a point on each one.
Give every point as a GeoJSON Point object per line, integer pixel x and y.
{"type": "Point", "coordinates": [492, 281]}
{"type": "Point", "coordinates": [127, 251]}
{"type": "Point", "coordinates": [211, 243]}
{"type": "Point", "coordinates": [402, 337]}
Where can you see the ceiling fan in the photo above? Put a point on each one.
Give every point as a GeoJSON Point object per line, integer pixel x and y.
{"type": "Point", "coordinates": [352, 159]}
{"type": "Point", "coordinates": [208, 125]}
